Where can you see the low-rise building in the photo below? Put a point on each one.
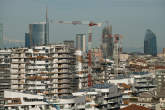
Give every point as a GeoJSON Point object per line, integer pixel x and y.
{"type": "Point", "coordinates": [23, 101]}
{"type": "Point", "coordinates": [101, 97]}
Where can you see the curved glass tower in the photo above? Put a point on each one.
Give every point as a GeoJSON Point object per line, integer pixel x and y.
{"type": "Point", "coordinates": [37, 34]}
{"type": "Point", "coordinates": [150, 45]}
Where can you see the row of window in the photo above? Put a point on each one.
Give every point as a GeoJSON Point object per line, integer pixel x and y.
{"type": "Point", "coordinates": [32, 99]}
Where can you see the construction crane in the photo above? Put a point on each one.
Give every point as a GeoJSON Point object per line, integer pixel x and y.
{"type": "Point", "coordinates": [90, 25]}
{"type": "Point", "coordinates": [16, 41]}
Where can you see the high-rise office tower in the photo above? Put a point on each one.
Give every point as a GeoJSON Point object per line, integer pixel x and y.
{"type": "Point", "coordinates": [81, 42]}
{"type": "Point", "coordinates": [27, 40]}
{"type": "Point", "coordinates": [107, 42]}
{"type": "Point", "coordinates": [37, 34]}
{"type": "Point", "coordinates": [150, 45]}
{"type": "Point", "coordinates": [1, 35]}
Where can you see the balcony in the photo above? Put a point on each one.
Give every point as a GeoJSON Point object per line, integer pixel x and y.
{"type": "Point", "coordinates": [62, 72]}
{"type": "Point", "coordinates": [63, 56]}
{"type": "Point", "coordinates": [63, 61]}
{"type": "Point", "coordinates": [4, 84]}
{"type": "Point", "coordinates": [64, 81]}
{"type": "Point", "coordinates": [15, 56]}
{"type": "Point", "coordinates": [63, 86]}
{"type": "Point", "coordinates": [63, 76]}
{"type": "Point", "coordinates": [37, 77]}
{"type": "Point", "coordinates": [141, 80]}
{"type": "Point", "coordinates": [40, 62]}
{"type": "Point", "coordinates": [62, 67]}
{"type": "Point", "coordinates": [15, 62]}
{"type": "Point", "coordinates": [162, 105]}
{"type": "Point", "coordinates": [37, 87]}
{"type": "Point", "coordinates": [81, 106]}
{"type": "Point", "coordinates": [62, 51]}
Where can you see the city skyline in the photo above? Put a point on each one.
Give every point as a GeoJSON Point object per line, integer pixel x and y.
{"type": "Point", "coordinates": [129, 17]}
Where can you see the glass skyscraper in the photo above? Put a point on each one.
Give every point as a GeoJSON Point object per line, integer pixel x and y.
{"type": "Point", "coordinates": [37, 34]}
{"type": "Point", "coordinates": [27, 40]}
{"type": "Point", "coordinates": [150, 44]}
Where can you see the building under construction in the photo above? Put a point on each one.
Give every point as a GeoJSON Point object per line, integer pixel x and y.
{"type": "Point", "coordinates": [81, 69]}
{"type": "Point", "coordinates": [107, 42]}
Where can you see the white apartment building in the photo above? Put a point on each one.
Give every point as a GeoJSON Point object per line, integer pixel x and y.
{"type": "Point", "coordinates": [100, 97]}
{"type": "Point", "coordinates": [44, 70]}
{"type": "Point", "coordinates": [23, 101]}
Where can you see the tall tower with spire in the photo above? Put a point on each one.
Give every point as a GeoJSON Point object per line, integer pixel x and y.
{"type": "Point", "coordinates": [47, 29]}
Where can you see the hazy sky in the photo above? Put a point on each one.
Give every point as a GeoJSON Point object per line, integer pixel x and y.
{"type": "Point", "coordinates": [130, 18]}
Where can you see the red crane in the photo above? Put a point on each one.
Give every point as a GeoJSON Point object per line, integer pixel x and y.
{"type": "Point", "coordinates": [90, 25]}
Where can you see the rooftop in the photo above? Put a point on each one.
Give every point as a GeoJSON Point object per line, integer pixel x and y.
{"type": "Point", "coordinates": [124, 85]}
{"type": "Point", "coordinates": [139, 73]}
{"type": "Point", "coordinates": [102, 86]}
{"type": "Point", "coordinates": [146, 95]}
{"type": "Point", "coordinates": [97, 86]}
{"type": "Point", "coordinates": [135, 107]}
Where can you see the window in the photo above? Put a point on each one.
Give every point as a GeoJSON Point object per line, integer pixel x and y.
{"type": "Point", "coordinates": [9, 101]}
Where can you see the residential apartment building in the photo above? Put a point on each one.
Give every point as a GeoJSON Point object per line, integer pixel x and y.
{"type": "Point", "coordinates": [160, 79]}
{"type": "Point", "coordinates": [100, 97]}
{"type": "Point", "coordinates": [44, 70]}
{"type": "Point", "coordinates": [143, 82]}
{"type": "Point", "coordinates": [5, 82]}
